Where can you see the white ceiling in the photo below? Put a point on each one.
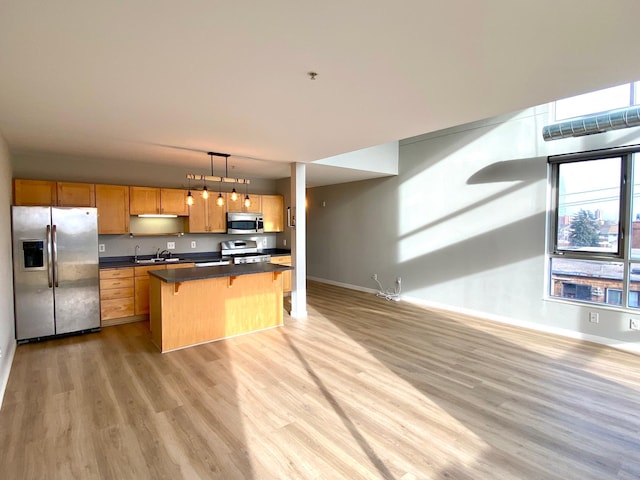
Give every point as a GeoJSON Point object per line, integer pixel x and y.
{"type": "Point", "coordinates": [165, 81]}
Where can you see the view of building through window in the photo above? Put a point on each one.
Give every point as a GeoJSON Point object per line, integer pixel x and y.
{"type": "Point", "coordinates": [589, 256]}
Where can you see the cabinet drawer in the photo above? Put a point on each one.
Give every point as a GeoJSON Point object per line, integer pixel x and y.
{"type": "Point", "coordinates": [171, 266]}
{"type": "Point", "coordinates": [111, 293]}
{"type": "Point", "coordinates": [282, 260]}
{"type": "Point", "coordinates": [142, 271]}
{"type": "Point", "coordinates": [116, 308]}
{"type": "Point", "coordinates": [116, 273]}
{"type": "Point", "coordinates": [116, 283]}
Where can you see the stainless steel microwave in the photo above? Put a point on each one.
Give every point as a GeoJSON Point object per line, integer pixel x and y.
{"type": "Point", "coordinates": [238, 223]}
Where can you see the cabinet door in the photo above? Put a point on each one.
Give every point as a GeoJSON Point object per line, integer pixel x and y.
{"type": "Point", "coordinates": [76, 194]}
{"type": "Point", "coordinates": [238, 204]}
{"type": "Point", "coordinates": [142, 295]}
{"type": "Point", "coordinates": [112, 202]}
{"type": "Point", "coordinates": [255, 206]}
{"type": "Point", "coordinates": [286, 276]}
{"type": "Point", "coordinates": [273, 210]}
{"type": "Point", "coordinates": [233, 205]}
{"type": "Point", "coordinates": [141, 288]}
{"type": "Point", "coordinates": [198, 215]}
{"type": "Point", "coordinates": [34, 192]}
{"type": "Point", "coordinates": [144, 200]}
{"type": "Point", "coordinates": [217, 216]}
{"type": "Point", "coordinates": [174, 201]}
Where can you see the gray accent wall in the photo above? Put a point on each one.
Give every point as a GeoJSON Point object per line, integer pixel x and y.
{"type": "Point", "coordinates": [7, 325]}
{"type": "Point", "coordinates": [463, 224]}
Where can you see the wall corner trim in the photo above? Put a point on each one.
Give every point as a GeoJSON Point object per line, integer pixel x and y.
{"type": "Point", "coordinates": [5, 369]}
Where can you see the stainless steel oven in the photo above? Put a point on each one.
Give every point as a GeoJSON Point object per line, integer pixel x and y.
{"type": "Point", "coordinates": [238, 223]}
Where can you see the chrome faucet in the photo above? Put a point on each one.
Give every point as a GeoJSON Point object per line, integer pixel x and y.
{"type": "Point", "coordinates": [135, 257]}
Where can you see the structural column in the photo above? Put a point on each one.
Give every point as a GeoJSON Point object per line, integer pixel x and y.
{"type": "Point", "coordinates": [299, 241]}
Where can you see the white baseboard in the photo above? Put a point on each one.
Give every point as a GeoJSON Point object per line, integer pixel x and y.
{"type": "Point", "coordinates": [5, 369]}
{"type": "Point", "coordinates": [345, 285]}
{"type": "Point", "coordinates": [563, 332]}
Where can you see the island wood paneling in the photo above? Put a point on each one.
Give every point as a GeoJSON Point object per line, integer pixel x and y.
{"type": "Point", "coordinates": [198, 311]}
{"type": "Point", "coordinates": [362, 388]}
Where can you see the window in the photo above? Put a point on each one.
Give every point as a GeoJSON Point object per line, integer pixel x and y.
{"type": "Point", "coordinates": [590, 257]}
{"type": "Point", "coordinates": [595, 102]}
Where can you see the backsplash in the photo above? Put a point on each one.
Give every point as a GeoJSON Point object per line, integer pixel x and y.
{"type": "Point", "coordinates": [124, 245]}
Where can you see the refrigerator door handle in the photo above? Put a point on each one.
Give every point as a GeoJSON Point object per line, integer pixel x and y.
{"type": "Point", "coordinates": [49, 260]}
{"type": "Point", "coordinates": [54, 242]}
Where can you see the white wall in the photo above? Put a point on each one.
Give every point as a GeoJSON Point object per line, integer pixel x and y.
{"type": "Point", "coordinates": [463, 224]}
{"type": "Point", "coordinates": [7, 332]}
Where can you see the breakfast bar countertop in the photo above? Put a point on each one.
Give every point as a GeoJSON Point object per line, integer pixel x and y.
{"type": "Point", "coordinates": [180, 275]}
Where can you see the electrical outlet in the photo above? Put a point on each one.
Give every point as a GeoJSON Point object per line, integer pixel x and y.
{"type": "Point", "coordinates": [374, 276]}
{"type": "Point", "coordinates": [193, 244]}
{"type": "Point", "coordinates": [171, 245]}
{"type": "Point", "coordinates": [101, 247]}
{"type": "Point", "coordinates": [634, 324]}
{"type": "Point", "coordinates": [398, 280]}
{"type": "Point", "coordinates": [284, 242]}
{"type": "Point", "coordinates": [264, 242]}
{"type": "Point", "coordinates": [594, 317]}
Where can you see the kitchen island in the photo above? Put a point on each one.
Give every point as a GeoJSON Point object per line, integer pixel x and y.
{"type": "Point", "coordinates": [190, 306]}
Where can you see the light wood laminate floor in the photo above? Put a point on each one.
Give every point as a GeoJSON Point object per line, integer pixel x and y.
{"type": "Point", "coordinates": [364, 388]}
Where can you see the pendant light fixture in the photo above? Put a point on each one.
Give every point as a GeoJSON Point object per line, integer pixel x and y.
{"type": "Point", "coordinates": [226, 179]}
{"type": "Point", "coordinates": [220, 199]}
{"type": "Point", "coordinates": [189, 196]}
{"type": "Point", "coordinates": [247, 200]}
{"type": "Point", "coordinates": [205, 190]}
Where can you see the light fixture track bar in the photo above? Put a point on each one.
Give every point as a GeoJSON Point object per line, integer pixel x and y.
{"type": "Point", "coordinates": [211, 178]}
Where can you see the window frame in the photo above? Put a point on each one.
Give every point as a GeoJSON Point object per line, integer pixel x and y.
{"type": "Point", "coordinates": [623, 254]}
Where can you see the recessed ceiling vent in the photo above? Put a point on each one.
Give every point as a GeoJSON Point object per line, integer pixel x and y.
{"type": "Point", "coordinates": [597, 123]}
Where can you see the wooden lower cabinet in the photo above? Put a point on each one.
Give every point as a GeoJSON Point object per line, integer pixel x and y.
{"type": "Point", "coordinates": [286, 276]}
{"type": "Point", "coordinates": [116, 294]}
{"type": "Point", "coordinates": [124, 292]}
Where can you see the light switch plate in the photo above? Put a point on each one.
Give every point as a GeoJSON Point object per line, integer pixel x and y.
{"type": "Point", "coordinates": [193, 244]}
{"type": "Point", "coordinates": [171, 245]}
{"type": "Point", "coordinates": [101, 247]}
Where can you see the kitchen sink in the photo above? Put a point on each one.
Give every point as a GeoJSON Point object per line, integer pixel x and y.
{"type": "Point", "coordinates": [158, 260]}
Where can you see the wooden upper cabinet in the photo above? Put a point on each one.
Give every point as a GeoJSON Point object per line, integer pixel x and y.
{"type": "Point", "coordinates": [76, 194]}
{"type": "Point", "coordinates": [173, 201]}
{"type": "Point", "coordinates": [216, 216]}
{"type": "Point", "coordinates": [34, 192]}
{"type": "Point", "coordinates": [112, 202]}
{"type": "Point", "coordinates": [198, 215]}
{"type": "Point", "coordinates": [238, 204]}
{"type": "Point", "coordinates": [151, 200]}
{"type": "Point", "coordinates": [206, 216]}
{"type": "Point", "coordinates": [273, 213]}
{"type": "Point", "coordinates": [144, 200]}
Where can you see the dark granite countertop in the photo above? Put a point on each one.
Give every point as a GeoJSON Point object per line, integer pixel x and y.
{"type": "Point", "coordinates": [121, 262]}
{"type": "Point", "coordinates": [201, 273]}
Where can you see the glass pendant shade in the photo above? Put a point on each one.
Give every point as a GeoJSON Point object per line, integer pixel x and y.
{"type": "Point", "coordinates": [205, 192]}
{"type": "Point", "coordinates": [220, 200]}
{"type": "Point", "coordinates": [189, 198]}
{"type": "Point", "coordinates": [234, 195]}
{"type": "Point", "coordinates": [247, 201]}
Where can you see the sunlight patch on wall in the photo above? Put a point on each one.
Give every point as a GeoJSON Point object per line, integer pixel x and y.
{"type": "Point", "coordinates": [436, 226]}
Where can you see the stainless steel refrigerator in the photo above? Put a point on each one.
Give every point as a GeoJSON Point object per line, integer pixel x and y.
{"type": "Point", "coordinates": [55, 271]}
